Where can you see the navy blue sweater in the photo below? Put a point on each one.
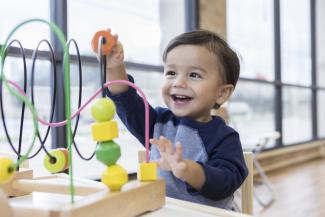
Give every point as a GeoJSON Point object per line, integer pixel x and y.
{"type": "Point", "coordinates": [214, 145]}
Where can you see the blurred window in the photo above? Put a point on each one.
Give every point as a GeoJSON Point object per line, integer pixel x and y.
{"type": "Point", "coordinates": [295, 42]}
{"type": "Point", "coordinates": [139, 24]}
{"type": "Point", "coordinates": [250, 33]}
{"type": "Point", "coordinates": [14, 12]}
{"type": "Point", "coordinates": [251, 111]}
{"type": "Point", "coordinates": [296, 115]}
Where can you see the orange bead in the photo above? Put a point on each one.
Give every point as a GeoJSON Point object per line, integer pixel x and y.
{"type": "Point", "coordinates": [109, 41]}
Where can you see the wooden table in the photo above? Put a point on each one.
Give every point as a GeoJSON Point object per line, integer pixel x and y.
{"type": "Point", "coordinates": [173, 207]}
{"type": "Point", "coordinates": [180, 208]}
{"type": "Point", "coordinates": [49, 196]}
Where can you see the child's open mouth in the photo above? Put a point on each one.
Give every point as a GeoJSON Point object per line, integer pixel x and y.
{"type": "Point", "coordinates": [181, 99]}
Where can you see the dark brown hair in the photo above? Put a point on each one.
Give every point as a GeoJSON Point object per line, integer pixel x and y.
{"type": "Point", "coordinates": [225, 55]}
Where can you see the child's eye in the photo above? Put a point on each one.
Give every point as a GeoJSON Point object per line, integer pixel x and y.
{"type": "Point", "coordinates": [170, 73]}
{"type": "Point", "coordinates": [195, 75]}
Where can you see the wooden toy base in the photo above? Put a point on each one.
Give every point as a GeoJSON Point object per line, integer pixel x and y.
{"type": "Point", "coordinates": [91, 199]}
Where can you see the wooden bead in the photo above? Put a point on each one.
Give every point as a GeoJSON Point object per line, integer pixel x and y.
{"type": "Point", "coordinates": [147, 171]}
{"type": "Point", "coordinates": [115, 177]}
{"type": "Point", "coordinates": [108, 153]}
{"type": "Point", "coordinates": [103, 109]}
{"type": "Point", "coordinates": [59, 162]}
{"type": "Point", "coordinates": [7, 169]}
{"type": "Point", "coordinates": [107, 46]}
{"type": "Point", "coordinates": [104, 131]}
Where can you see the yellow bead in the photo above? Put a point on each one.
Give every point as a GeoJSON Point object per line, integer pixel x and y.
{"type": "Point", "coordinates": [103, 109]}
{"type": "Point", "coordinates": [115, 177]}
{"type": "Point", "coordinates": [7, 170]}
{"type": "Point", "coordinates": [104, 131]}
{"type": "Point", "coordinates": [57, 164]}
{"type": "Point", "coordinates": [147, 171]}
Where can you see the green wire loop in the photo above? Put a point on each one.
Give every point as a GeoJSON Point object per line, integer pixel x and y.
{"type": "Point", "coordinates": [24, 99]}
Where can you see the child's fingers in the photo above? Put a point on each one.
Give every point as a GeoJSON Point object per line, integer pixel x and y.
{"type": "Point", "coordinates": [169, 148]}
{"type": "Point", "coordinates": [160, 163]}
{"type": "Point", "coordinates": [115, 36]}
{"type": "Point", "coordinates": [178, 151]}
{"type": "Point", "coordinates": [159, 144]}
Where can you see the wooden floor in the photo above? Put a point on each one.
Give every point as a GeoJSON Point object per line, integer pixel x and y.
{"type": "Point", "coordinates": [300, 191]}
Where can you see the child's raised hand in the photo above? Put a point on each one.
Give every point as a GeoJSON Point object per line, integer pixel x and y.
{"type": "Point", "coordinates": [111, 48]}
{"type": "Point", "coordinates": [116, 56]}
{"type": "Point", "coordinates": [171, 158]}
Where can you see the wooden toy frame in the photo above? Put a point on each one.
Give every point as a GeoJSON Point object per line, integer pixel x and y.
{"type": "Point", "coordinates": [93, 198]}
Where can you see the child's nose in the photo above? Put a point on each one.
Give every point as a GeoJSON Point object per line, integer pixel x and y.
{"type": "Point", "coordinates": [180, 82]}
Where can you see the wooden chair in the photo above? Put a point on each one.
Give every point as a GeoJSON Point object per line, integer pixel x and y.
{"type": "Point", "coordinates": [247, 186]}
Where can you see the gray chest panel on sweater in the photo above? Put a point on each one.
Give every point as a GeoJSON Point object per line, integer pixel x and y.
{"type": "Point", "coordinates": [193, 149]}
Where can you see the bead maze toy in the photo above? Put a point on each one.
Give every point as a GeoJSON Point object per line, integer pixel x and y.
{"type": "Point", "coordinates": [21, 194]}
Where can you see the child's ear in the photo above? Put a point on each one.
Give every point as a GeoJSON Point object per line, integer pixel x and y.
{"type": "Point", "coordinates": [224, 93]}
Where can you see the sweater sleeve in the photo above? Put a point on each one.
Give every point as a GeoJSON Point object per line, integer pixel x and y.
{"type": "Point", "coordinates": [131, 111]}
{"type": "Point", "coordinates": [225, 170]}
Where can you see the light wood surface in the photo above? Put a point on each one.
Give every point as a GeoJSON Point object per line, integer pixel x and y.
{"type": "Point", "coordinates": [247, 186]}
{"type": "Point", "coordinates": [180, 208]}
{"type": "Point", "coordinates": [8, 187]}
{"type": "Point", "coordinates": [5, 209]}
{"type": "Point", "coordinates": [284, 157]}
{"type": "Point", "coordinates": [134, 198]}
{"type": "Point", "coordinates": [299, 189]}
{"type": "Point", "coordinates": [55, 186]}
{"type": "Point", "coordinates": [173, 207]}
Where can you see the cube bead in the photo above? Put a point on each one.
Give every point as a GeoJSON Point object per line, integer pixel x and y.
{"type": "Point", "coordinates": [104, 131]}
{"type": "Point", "coordinates": [147, 171]}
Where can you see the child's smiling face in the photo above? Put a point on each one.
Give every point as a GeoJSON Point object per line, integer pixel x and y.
{"type": "Point", "coordinates": [192, 82]}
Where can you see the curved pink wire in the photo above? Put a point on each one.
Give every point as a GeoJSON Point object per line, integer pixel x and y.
{"type": "Point", "coordinates": [62, 123]}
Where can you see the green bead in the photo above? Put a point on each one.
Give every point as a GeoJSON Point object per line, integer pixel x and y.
{"type": "Point", "coordinates": [108, 152]}
{"type": "Point", "coordinates": [103, 109]}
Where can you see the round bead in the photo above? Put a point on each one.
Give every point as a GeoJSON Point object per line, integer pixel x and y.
{"type": "Point", "coordinates": [115, 177]}
{"type": "Point", "coordinates": [108, 152]}
{"type": "Point", "coordinates": [103, 109]}
{"type": "Point", "coordinates": [7, 170]}
{"type": "Point", "coordinates": [59, 162]}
